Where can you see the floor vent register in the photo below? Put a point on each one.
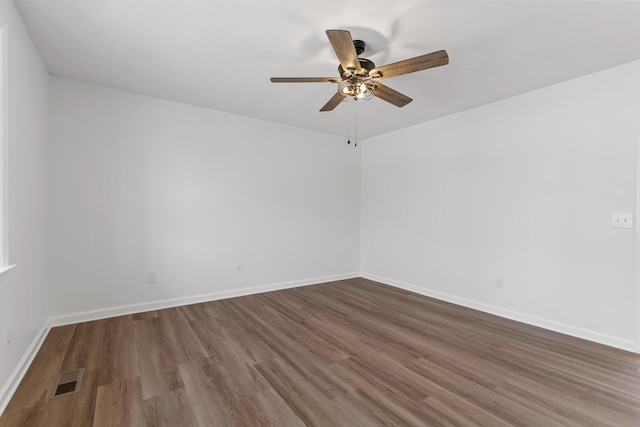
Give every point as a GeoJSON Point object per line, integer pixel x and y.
{"type": "Point", "coordinates": [67, 383]}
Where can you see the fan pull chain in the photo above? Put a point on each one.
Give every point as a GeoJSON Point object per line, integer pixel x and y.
{"type": "Point", "coordinates": [348, 126]}
{"type": "Point", "coordinates": [355, 127]}
{"type": "Point", "coordinates": [355, 123]}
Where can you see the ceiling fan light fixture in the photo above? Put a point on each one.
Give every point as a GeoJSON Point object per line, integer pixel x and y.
{"type": "Point", "coordinates": [356, 89]}
{"type": "Point", "coordinates": [359, 76]}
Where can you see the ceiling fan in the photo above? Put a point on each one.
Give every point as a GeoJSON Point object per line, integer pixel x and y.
{"type": "Point", "coordinates": [360, 78]}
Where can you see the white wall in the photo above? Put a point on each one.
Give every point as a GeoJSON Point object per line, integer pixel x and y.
{"type": "Point", "coordinates": [24, 290]}
{"type": "Point", "coordinates": [143, 184]}
{"type": "Point", "coordinates": [521, 189]}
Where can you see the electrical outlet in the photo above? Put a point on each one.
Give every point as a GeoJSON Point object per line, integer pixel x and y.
{"type": "Point", "coordinates": [499, 283]}
{"type": "Point", "coordinates": [239, 269]}
{"type": "Point", "coordinates": [8, 337]}
{"type": "Point", "coordinates": [152, 277]}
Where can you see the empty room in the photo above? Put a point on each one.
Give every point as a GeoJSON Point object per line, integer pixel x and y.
{"type": "Point", "coordinates": [322, 213]}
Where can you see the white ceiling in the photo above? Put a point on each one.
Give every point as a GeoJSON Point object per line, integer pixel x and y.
{"type": "Point", "coordinates": [221, 53]}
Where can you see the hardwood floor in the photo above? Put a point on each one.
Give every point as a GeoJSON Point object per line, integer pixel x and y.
{"type": "Point", "coordinates": [352, 352]}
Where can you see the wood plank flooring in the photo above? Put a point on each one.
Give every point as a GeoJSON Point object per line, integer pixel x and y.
{"type": "Point", "coordinates": [345, 353]}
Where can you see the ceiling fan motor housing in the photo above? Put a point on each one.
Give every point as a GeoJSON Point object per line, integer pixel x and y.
{"type": "Point", "coordinates": [365, 64]}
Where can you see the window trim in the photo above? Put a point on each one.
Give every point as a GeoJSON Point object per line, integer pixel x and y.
{"type": "Point", "coordinates": [5, 265]}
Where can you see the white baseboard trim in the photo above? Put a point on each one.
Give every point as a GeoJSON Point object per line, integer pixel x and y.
{"type": "Point", "coordinates": [87, 316]}
{"type": "Point", "coordinates": [18, 373]}
{"type": "Point", "coordinates": [551, 325]}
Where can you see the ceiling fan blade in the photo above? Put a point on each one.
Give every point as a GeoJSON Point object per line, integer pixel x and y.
{"type": "Point", "coordinates": [390, 95]}
{"type": "Point", "coordinates": [342, 44]}
{"type": "Point", "coordinates": [333, 102]}
{"type": "Point", "coordinates": [305, 79]}
{"type": "Point", "coordinates": [419, 63]}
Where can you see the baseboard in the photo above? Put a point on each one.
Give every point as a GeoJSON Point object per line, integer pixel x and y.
{"type": "Point", "coordinates": [551, 325]}
{"type": "Point", "coordinates": [87, 316]}
{"type": "Point", "coordinates": [18, 373]}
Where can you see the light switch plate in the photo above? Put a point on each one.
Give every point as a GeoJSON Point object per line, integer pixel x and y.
{"type": "Point", "coordinates": [622, 220]}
